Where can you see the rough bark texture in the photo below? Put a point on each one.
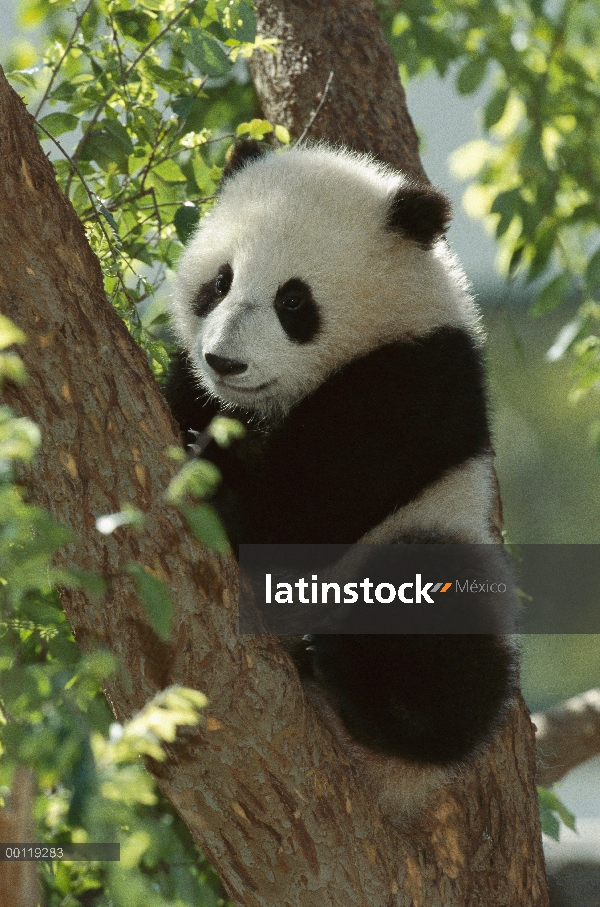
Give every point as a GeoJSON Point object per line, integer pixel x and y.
{"type": "Point", "coordinates": [567, 735]}
{"type": "Point", "coordinates": [19, 885]}
{"type": "Point", "coordinates": [365, 107]}
{"type": "Point", "coordinates": [278, 810]}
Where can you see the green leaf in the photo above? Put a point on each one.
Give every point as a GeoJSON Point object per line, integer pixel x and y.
{"type": "Point", "coordinates": [506, 204]}
{"type": "Point", "coordinates": [256, 129]}
{"type": "Point", "coordinates": [552, 295]}
{"type": "Point", "coordinates": [119, 134]}
{"type": "Point", "coordinates": [471, 75]}
{"type": "Point", "coordinates": [57, 123]}
{"type": "Point", "coordinates": [206, 526]}
{"type": "Point", "coordinates": [155, 599]}
{"type": "Point", "coordinates": [9, 333]}
{"type": "Point", "coordinates": [205, 53]}
{"type": "Point", "coordinates": [202, 174]}
{"type": "Point", "coordinates": [544, 246]}
{"type": "Point", "coordinates": [197, 478]}
{"type": "Point", "coordinates": [110, 144]}
{"type": "Point", "coordinates": [182, 106]}
{"type": "Point", "coordinates": [549, 822]}
{"type": "Point", "coordinates": [225, 430]}
{"type": "Point", "coordinates": [23, 77]}
{"type": "Point", "coordinates": [592, 272]}
{"type": "Point", "coordinates": [12, 369]}
{"type": "Point", "coordinates": [64, 91]}
{"type": "Point", "coordinates": [170, 172]}
{"type": "Point", "coordinates": [107, 214]}
{"type": "Point", "coordinates": [239, 20]}
{"type": "Point", "coordinates": [136, 24]}
{"type": "Point", "coordinates": [495, 107]}
{"type": "Point", "coordinates": [282, 135]}
{"type": "Point", "coordinates": [186, 220]}
{"type": "Point", "coordinates": [552, 809]}
{"type": "Point", "coordinates": [515, 260]}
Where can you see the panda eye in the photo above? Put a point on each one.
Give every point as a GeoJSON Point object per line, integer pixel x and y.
{"type": "Point", "coordinates": [210, 294]}
{"type": "Point", "coordinates": [223, 281]}
{"type": "Point", "coordinates": [292, 296]}
{"type": "Point", "coordinates": [291, 301]}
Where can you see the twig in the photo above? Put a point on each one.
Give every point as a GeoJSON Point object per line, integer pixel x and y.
{"type": "Point", "coordinates": [90, 196]}
{"type": "Point", "coordinates": [88, 191]}
{"type": "Point", "coordinates": [68, 47]}
{"type": "Point", "coordinates": [197, 201]}
{"type": "Point", "coordinates": [316, 113]}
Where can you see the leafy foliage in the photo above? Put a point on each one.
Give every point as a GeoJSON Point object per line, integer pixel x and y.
{"type": "Point", "coordinates": [54, 719]}
{"type": "Point", "coordinates": [145, 98]}
{"type": "Point", "coordinates": [536, 175]}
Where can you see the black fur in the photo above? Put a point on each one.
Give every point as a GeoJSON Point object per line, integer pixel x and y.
{"type": "Point", "coordinates": [366, 442]}
{"type": "Point", "coordinates": [213, 292]}
{"type": "Point", "coordinates": [189, 404]}
{"type": "Point", "coordinates": [239, 155]}
{"type": "Point", "coordinates": [297, 311]}
{"type": "Point", "coordinates": [420, 213]}
{"type": "Point", "coordinates": [430, 699]}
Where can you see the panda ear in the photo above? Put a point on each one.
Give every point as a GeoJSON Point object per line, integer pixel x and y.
{"type": "Point", "coordinates": [420, 213]}
{"type": "Point", "coordinates": [239, 155]}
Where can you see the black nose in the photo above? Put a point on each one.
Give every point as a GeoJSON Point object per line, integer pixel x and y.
{"type": "Point", "coordinates": [224, 366]}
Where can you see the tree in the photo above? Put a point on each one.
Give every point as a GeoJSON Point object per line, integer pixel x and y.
{"type": "Point", "coordinates": [260, 785]}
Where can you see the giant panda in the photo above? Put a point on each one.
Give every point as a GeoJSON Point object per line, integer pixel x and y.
{"type": "Point", "coordinates": [319, 303]}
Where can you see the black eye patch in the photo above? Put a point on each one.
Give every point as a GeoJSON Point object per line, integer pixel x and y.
{"type": "Point", "coordinates": [297, 311]}
{"type": "Point", "coordinates": [212, 293]}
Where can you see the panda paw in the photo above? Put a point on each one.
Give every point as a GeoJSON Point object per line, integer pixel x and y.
{"type": "Point", "coordinates": [201, 441]}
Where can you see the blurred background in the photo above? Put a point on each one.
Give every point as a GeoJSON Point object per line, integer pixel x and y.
{"type": "Point", "coordinates": [549, 473]}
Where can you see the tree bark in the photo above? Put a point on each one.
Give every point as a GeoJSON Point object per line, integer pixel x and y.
{"type": "Point", "coordinates": [276, 807]}
{"type": "Point", "coordinates": [365, 106]}
{"type": "Point", "coordinates": [19, 884]}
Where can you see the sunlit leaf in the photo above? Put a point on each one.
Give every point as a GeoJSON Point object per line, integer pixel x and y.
{"type": "Point", "coordinates": [206, 54]}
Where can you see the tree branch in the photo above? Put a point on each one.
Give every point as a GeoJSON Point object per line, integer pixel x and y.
{"type": "Point", "coordinates": [567, 735]}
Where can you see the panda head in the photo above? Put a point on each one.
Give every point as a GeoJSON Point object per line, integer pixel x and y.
{"type": "Point", "coordinates": [310, 258]}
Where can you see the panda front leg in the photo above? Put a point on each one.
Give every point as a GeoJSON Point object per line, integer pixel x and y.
{"type": "Point", "coordinates": [192, 408]}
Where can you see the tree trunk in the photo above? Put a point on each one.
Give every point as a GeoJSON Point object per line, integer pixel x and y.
{"type": "Point", "coordinates": [274, 805]}
{"type": "Point", "coordinates": [19, 884]}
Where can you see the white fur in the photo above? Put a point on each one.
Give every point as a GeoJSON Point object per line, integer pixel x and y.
{"type": "Point", "coordinates": [459, 504]}
{"type": "Point", "coordinates": [319, 215]}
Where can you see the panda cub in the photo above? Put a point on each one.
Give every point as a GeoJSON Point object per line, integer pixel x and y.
{"type": "Point", "coordinates": [319, 304]}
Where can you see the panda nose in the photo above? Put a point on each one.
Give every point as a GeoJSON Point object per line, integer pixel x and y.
{"type": "Point", "coordinates": [224, 366]}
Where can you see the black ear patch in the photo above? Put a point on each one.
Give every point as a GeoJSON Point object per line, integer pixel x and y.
{"type": "Point", "coordinates": [239, 155]}
{"type": "Point", "coordinates": [420, 213]}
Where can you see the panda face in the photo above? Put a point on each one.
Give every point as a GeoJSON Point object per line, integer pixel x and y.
{"type": "Point", "coordinates": [304, 264]}
{"type": "Point", "coordinates": [248, 346]}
